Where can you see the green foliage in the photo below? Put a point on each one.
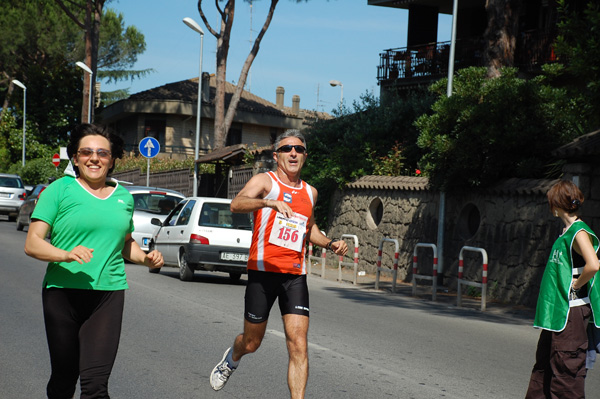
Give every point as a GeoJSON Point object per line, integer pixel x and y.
{"type": "Point", "coordinates": [493, 128]}
{"type": "Point", "coordinates": [392, 164]}
{"type": "Point", "coordinates": [578, 47]}
{"type": "Point", "coordinates": [120, 46]}
{"type": "Point", "coordinates": [158, 164]}
{"type": "Point", "coordinates": [37, 47]}
{"type": "Point", "coordinates": [370, 137]}
{"type": "Point", "coordinates": [39, 170]}
{"type": "Point", "coordinates": [11, 145]}
{"type": "Point", "coordinates": [40, 45]}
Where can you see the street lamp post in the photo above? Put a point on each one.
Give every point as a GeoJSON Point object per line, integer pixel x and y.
{"type": "Point", "coordinates": [334, 83]}
{"type": "Point", "coordinates": [88, 70]}
{"type": "Point", "coordinates": [194, 25]}
{"type": "Point", "coordinates": [22, 86]}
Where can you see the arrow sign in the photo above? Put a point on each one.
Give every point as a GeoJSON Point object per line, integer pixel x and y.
{"type": "Point", "coordinates": [149, 147]}
{"type": "Point", "coordinates": [55, 160]}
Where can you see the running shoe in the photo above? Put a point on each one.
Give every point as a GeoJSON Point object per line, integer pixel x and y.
{"type": "Point", "coordinates": [221, 373]}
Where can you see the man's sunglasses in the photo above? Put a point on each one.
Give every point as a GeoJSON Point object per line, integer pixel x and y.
{"type": "Point", "coordinates": [300, 149]}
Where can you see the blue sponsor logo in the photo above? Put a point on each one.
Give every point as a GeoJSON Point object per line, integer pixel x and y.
{"type": "Point", "coordinates": [287, 197]}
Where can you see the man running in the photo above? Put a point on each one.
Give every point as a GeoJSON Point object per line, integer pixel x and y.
{"type": "Point", "coordinates": [283, 219]}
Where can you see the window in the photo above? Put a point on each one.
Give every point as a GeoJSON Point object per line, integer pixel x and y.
{"type": "Point", "coordinates": [375, 213]}
{"type": "Point", "coordinates": [156, 128]}
{"type": "Point", "coordinates": [155, 202]}
{"type": "Point", "coordinates": [170, 220]}
{"type": "Point", "coordinates": [235, 134]}
{"type": "Point", "coordinates": [184, 217]}
{"type": "Point", "coordinates": [468, 222]}
{"type": "Point", "coordinates": [219, 215]}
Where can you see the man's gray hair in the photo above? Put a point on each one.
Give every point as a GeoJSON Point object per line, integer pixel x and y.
{"type": "Point", "coordinates": [290, 133]}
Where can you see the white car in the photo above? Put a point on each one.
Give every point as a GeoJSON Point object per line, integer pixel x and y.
{"type": "Point", "coordinates": [12, 195]}
{"type": "Point", "coordinates": [150, 202]}
{"type": "Point", "coordinates": [202, 233]}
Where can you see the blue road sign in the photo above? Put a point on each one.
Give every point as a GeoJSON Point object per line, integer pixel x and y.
{"type": "Point", "coordinates": [149, 147]}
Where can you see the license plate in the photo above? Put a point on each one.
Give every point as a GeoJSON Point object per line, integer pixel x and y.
{"type": "Point", "coordinates": [4, 195]}
{"type": "Point", "coordinates": [234, 256]}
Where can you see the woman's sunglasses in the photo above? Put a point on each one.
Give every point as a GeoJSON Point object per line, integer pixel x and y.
{"type": "Point", "coordinates": [88, 152]}
{"type": "Point", "coordinates": [288, 148]}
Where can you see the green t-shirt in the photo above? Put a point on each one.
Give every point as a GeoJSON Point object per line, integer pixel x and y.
{"type": "Point", "coordinates": [77, 217]}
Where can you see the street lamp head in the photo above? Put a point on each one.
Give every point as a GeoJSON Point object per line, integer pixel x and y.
{"type": "Point", "coordinates": [193, 24]}
{"type": "Point", "coordinates": [334, 83]}
{"type": "Point", "coordinates": [84, 67]}
{"type": "Point", "coordinates": [21, 85]}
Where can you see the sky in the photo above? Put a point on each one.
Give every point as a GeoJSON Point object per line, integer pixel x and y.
{"type": "Point", "coordinates": [307, 45]}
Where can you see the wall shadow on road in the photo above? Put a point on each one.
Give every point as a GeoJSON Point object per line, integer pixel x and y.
{"type": "Point", "coordinates": [445, 304]}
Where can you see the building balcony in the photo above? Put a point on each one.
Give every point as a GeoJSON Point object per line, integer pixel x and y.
{"type": "Point", "coordinates": [429, 62]}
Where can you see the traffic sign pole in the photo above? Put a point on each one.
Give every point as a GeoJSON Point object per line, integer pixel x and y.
{"type": "Point", "coordinates": [148, 173]}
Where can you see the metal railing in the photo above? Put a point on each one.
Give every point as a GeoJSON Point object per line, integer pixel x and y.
{"type": "Point", "coordinates": [431, 60]}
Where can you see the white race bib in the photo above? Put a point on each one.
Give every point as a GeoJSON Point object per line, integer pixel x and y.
{"type": "Point", "coordinates": [289, 232]}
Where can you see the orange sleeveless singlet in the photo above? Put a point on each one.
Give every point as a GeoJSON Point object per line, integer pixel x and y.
{"type": "Point", "coordinates": [267, 256]}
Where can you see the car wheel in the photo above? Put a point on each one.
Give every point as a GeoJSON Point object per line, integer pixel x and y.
{"type": "Point", "coordinates": [150, 249]}
{"type": "Point", "coordinates": [19, 224]}
{"type": "Point", "coordinates": [235, 276]}
{"type": "Point", "coordinates": [185, 272]}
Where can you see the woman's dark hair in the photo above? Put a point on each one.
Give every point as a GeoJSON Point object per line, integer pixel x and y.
{"type": "Point", "coordinates": [565, 195]}
{"type": "Point", "coordinates": [86, 129]}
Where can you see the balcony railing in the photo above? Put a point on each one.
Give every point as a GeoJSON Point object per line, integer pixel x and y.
{"type": "Point", "coordinates": [431, 60]}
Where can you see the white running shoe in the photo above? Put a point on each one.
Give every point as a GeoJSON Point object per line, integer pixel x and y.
{"type": "Point", "coordinates": [221, 373]}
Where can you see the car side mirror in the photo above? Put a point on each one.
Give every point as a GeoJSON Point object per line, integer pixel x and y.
{"type": "Point", "coordinates": [156, 222]}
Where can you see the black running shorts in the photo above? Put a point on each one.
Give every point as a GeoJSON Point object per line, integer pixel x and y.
{"type": "Point", "coordinates": [264, 287]}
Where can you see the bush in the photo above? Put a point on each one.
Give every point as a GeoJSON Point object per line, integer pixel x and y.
{"type": "Point", "coordinates": [491, 129]}
{"type": "Point", "coordinates": [158, 164]}
{"type": "Point", "coordinates": [374, 138]}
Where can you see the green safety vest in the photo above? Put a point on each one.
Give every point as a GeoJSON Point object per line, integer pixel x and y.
{"type": "Point", "coordinates": [552, 309]}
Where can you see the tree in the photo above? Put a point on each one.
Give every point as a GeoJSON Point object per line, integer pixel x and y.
{"type": "Point", "coordinates": [491, 129]}
{"type": "Point", "coordinates": [36, 35]}
{"type": "Point", "coordinates": [367, 140]}
{"type": "Point", "coordinates": [118, 50]}
{"type": "Point", "coordinates": [501, 34]}
{"type": "Point", "coordinates": [224, 119]}
{"type": "Point", "coordinates": [40, 47]}
{"type": "Point", "coordinates": [578, 48]}
{"type": "Point", "coordinates": [87, 15]}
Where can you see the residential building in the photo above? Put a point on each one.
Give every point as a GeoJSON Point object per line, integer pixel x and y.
{"type": "Point", "coordinates": [168, 113]}
{"type": "Point", "coordinates": [424, 60]}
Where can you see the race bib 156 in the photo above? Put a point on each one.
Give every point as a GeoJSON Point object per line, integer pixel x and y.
{"type": "Point", "coordinates": [289, 232]}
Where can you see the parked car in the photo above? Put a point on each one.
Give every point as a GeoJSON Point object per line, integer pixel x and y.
{"type": "Point", "coordinates": [203, 234]}
{"type": "Point", "coordinates": [12, 195]}
{"type": "Point", "coordinates": [150, 202]}
{"type": "Point", "coordinates": [24, 216]}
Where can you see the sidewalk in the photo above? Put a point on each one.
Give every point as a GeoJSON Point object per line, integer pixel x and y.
{"type": "Point", "coordinates": [443, 297]}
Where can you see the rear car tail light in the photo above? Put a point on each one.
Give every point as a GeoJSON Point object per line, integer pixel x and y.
{"type": "Point", "coordinates": [22, 196]}
{"type": "Point", "coordinates": [198, 239]}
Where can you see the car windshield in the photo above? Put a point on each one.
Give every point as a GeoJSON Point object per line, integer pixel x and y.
{"type": "Point", "coordinates": [11, 182]}
{"type": "Point", "coordinates": [219, 215]}
{"type": "Point", "coordinates": [155, 202]}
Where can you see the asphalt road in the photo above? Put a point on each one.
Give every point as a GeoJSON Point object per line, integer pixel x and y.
{"type": "Point", "coordinates": [363, 344]}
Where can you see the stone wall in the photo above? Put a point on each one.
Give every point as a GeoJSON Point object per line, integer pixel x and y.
{"type": "Point", "coordinates": [511, 222]}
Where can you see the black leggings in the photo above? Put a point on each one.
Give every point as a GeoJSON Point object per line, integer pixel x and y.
{"type": "Point", "coordinates": [83, 328]}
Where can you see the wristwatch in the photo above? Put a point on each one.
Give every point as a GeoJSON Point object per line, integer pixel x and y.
{"type": "Point", "coordinates": [331, 242]}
